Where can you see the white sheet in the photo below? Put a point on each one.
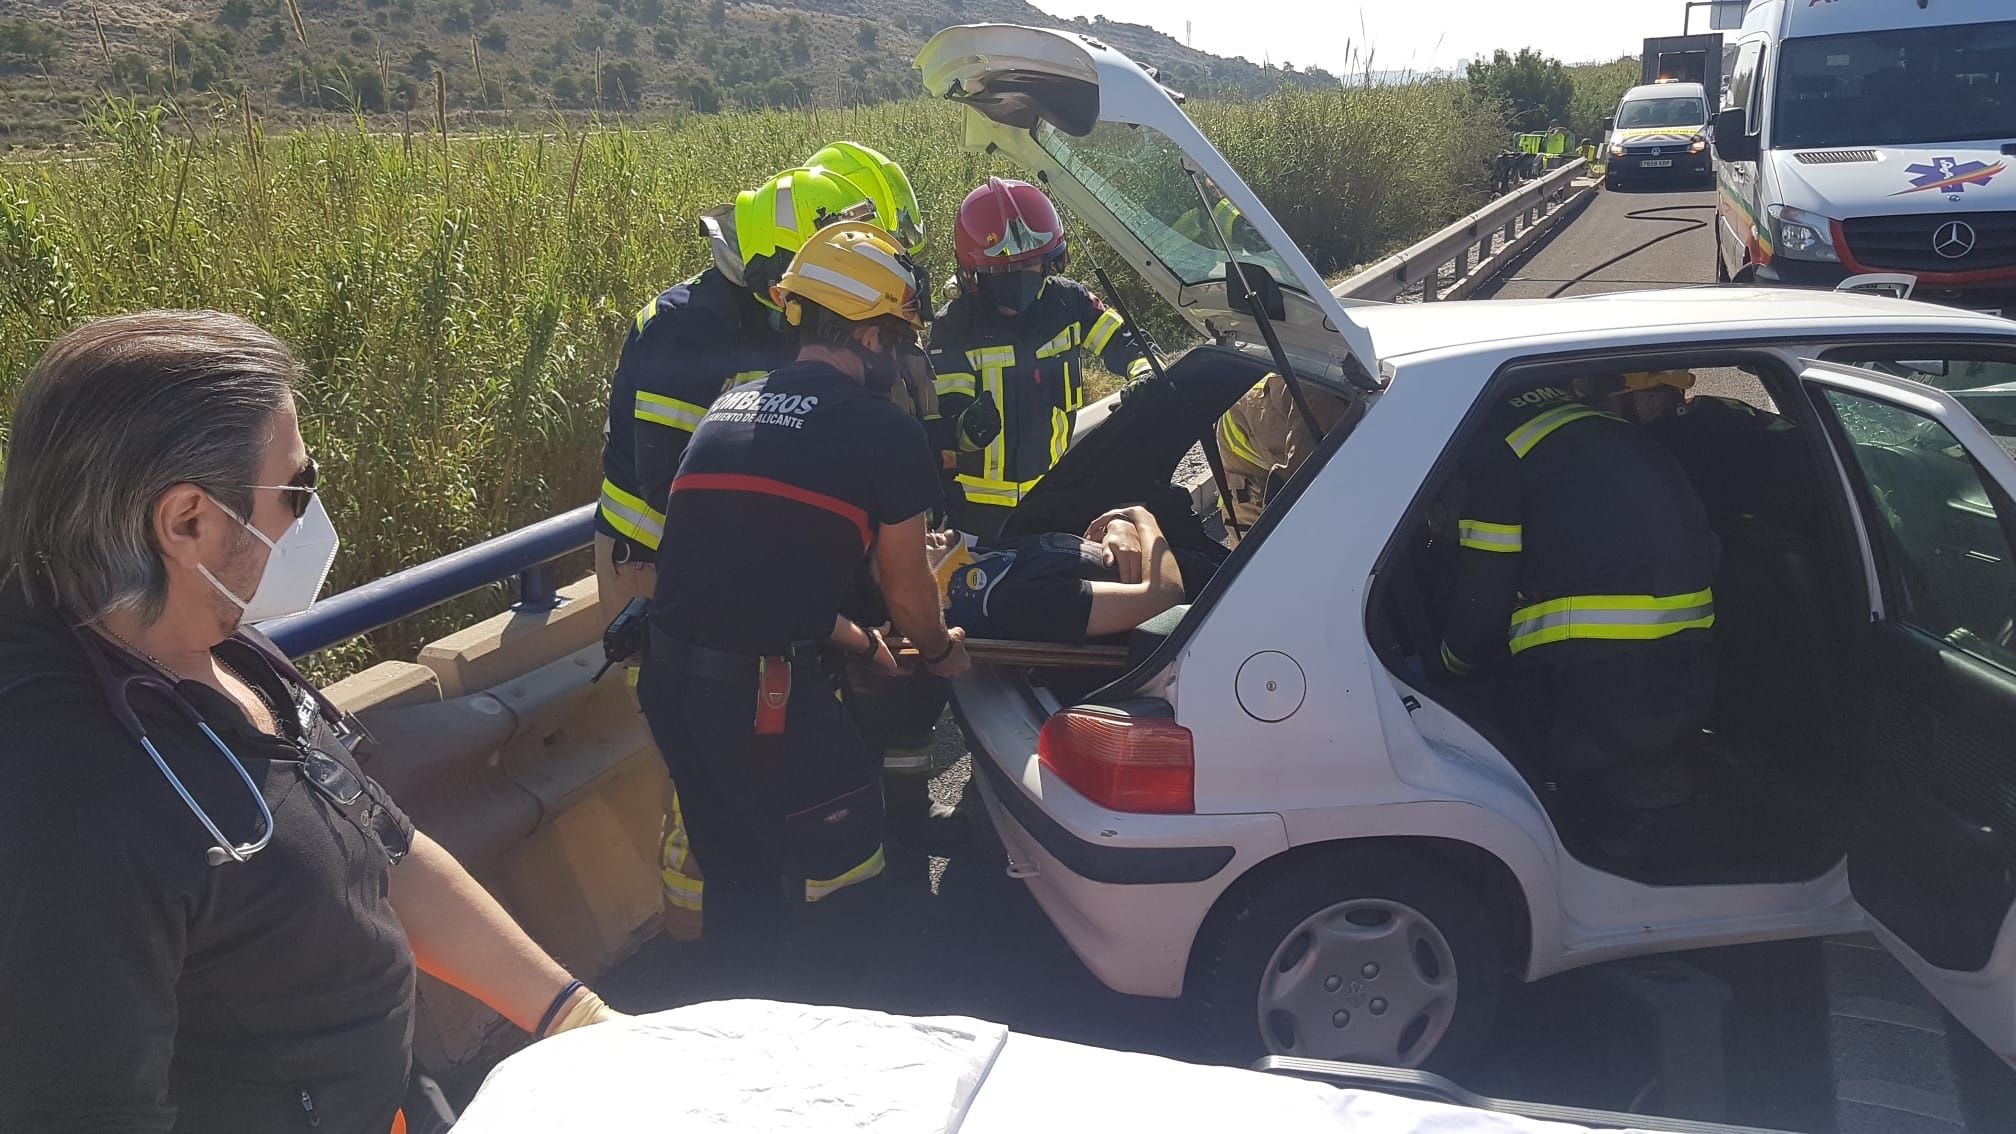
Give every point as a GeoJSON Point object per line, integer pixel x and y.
{"type": "Point", "coordinates": [751, 1065]}
{"type": "Point", "coordinates": [742, 1065]}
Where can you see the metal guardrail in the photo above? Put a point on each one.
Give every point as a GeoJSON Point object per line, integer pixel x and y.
{"type": "Point", "coordinates": [1509, 222]}
{"type": "Point", "coordinates": [381, 602]}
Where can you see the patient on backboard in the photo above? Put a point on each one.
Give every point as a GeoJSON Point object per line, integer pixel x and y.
{"type": "Point", "coordinates": [1059, 587]}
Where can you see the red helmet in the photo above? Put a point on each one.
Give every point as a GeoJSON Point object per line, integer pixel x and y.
{"type": "Point", "coordinates": [1008, 226]}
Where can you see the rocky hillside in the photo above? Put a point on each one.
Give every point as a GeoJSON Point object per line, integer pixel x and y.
{"type": "Point", "coordinates": [508, 60]}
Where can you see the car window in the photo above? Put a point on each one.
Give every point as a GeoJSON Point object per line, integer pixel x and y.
{"type": "Point", "coordinates": [1137, 173]}
{"type": "Point", "coordinates": [1985, 385]}
{"type": "Point", "coordinates": [1646, 112]}
{"type": "Point", "coordinates": [1943, 531]}
{"type": "Point", "coordinates": [1897, 87]}
{"type": "Point", "coordinates": [1742, 78]}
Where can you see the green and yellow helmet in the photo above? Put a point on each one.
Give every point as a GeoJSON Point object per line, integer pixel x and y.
{"type": "Point", "coordinates": [896, 206]}
{"type": "Point", "coordinates": [774, 220]}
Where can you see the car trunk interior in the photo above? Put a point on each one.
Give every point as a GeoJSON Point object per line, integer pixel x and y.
{"type": "Point", "coordinates": [1772, 779]}
{"type": "Point", "coordinates": [1131, 458]}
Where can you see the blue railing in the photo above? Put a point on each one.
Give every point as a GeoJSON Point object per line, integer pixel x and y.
{"type": "Point", "coordinates": [381, 602]}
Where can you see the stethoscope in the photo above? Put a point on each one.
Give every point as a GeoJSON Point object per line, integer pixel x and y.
{"type": "Point", "coordinates": [119, 689]}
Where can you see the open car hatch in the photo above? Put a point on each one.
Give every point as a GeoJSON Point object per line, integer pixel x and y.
{"type": "Point", "coordinates": [1103, 136]}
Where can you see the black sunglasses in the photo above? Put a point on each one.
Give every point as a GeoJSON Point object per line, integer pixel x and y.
{"type": "Point", "coordinates": [300, 490]}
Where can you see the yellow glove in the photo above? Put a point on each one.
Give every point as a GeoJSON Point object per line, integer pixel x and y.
{"type": "Point", "coordinates": [587, 1009]}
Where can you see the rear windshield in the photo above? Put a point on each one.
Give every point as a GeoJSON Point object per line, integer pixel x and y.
{"type": "Point", "coordinates": [1137, 173]}
{"type": "Point", "coordinates": [1662, 112]}
{"type": "Point", "coordinates": [1895, 88]}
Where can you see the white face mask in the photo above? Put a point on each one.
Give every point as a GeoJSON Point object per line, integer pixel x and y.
{"type": "Point", "coordinates": [296, 568]}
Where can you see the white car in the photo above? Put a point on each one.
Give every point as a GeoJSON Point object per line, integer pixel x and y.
{"type": "Point", "coordinates": [1279, 812]}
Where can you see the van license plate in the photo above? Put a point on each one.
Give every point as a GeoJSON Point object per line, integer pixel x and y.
{"type": "Point", "coordinates": [1657, 163]}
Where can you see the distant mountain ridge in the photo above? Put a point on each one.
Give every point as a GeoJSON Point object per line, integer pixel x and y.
{"type": "Point", "coordinates": [500, 58]}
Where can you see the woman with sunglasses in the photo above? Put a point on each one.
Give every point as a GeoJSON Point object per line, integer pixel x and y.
{"type": "Point", "coordinates": [210, 918]}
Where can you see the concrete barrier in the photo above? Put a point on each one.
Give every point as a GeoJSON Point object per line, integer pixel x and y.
{"type": "Point", "coordinates": [545, 786]}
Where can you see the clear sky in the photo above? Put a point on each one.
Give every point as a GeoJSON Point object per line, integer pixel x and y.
{"type": "Point", "coordinates": [1403, 34]}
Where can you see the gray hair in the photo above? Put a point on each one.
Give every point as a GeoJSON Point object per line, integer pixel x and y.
{"type": "Point", "coordinates": [114, 414]}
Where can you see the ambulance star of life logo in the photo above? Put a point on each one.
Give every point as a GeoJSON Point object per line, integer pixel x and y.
{"type": "Point", "coordinates": [1950, 175]}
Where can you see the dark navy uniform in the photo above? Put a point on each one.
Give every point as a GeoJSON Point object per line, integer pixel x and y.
{"type": "Point", "coordinates": [685, 347]}
{"type": "Point", "coordinates": [775, 508]}
{"type": "Point", "coordinates": [1032, 365]}
{"type": "Point", "coordinates": [1587, 559]}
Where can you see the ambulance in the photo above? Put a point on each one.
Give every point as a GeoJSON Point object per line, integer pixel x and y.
{"type": "Point", "coordinates": [1871, 136]}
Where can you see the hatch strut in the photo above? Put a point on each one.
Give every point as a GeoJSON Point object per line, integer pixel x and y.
{"type": "Point", "coordinates": [1254, 304]}
{"type": "Point", "coordinates": [1209, 441]}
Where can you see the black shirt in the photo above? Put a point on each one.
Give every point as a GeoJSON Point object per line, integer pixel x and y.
{"type": "Point", "coordinates": [145, 990]}
{"type": "Point", "coordinates": [1034, 589]}
{"type": "Point", "coordinates": [776, 504]}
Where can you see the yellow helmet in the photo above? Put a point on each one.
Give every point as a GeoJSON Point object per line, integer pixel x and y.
{"type": "Point", "coordinates": [774, 220]}
{"type": "Point", "coordinates": [855, 271]}
{"type": "Point", "coordinates": [1638, 380]}
{"type": "Point", "coordinates": [885, 183]}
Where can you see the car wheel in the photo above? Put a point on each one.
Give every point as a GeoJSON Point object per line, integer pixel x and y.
{"type": "Point", "coordinates": [1368, 955]}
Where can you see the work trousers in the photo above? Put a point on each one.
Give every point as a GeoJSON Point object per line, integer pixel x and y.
{"type": "Point", "coordinates": [1607, 722]}
{"type": "Point", "coordinates": [765, 816]}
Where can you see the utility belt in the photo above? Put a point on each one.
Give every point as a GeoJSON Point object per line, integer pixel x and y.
{"type": "Point", "coordinates": [772, 674]}
{"type": "Point", "coordinates": [813, 776]}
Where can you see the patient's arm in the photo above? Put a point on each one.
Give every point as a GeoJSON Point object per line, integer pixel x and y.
{"type": "Point", "coordinates": [1131, 534]}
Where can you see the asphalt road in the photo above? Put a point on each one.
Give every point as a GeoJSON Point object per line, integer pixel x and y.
{"type": "Point", "coordinates": [963, 938]}
{"type": "Point", "coordinates": [1623, 240]}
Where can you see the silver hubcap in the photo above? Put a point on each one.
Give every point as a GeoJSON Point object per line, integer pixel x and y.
{"type": "Point", "coordinates": [1368, 980]}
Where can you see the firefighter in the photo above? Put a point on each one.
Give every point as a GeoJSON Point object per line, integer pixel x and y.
{"type": "Point", "coordinates": [685, 348]}
{"type": "Point", "coordinates": [1265, 441]}
{"type": "Point", "coordinates": [1585, 567]}
{"type": "Point", "coordinates": [788, 486]}
{"type": "Point", "coordinates": [1008, 352]}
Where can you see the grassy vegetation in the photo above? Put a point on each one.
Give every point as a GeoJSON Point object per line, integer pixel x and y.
{"type": "Point", "coordinates": [460, 302]}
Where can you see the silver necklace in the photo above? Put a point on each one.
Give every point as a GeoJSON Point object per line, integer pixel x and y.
{"type": "Point", "coordinates": [150, 659]}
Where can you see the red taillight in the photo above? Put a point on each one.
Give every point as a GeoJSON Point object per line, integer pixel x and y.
{"type": "Point", "coordinates": [1123, 762]}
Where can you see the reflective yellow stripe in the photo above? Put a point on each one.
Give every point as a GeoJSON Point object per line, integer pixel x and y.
{"type": "Point", "coordinates": [631, 517]}
{"type": "Point", "coordinates": [1490, 537]}
{"type": "Point", "coordinates": [645, 315]}
{"type": "Point", "coordinates": [1103, 329]}
{"type": "Point", "coordinates": [661, 410]}
{"type": "Point", "coordinates": [957, 383]}
{"type": "Point", "coordinates": [1240, 445]}
{"type": "Point", "coordinates": [1140, 368]}
{"type": "Point", "coordinates": [1060, 435]}
{"type": "Point", "coordinates": [1063, 342]}
{"type": "Point", "coordinates": [744, 377]}
{"type": "Point", "coordinates": [816, 889]}
{"type": "Point", "coordinates": [681, 889]}
{"type": "Point", "coordinates": [996, 358]}
{"type": "Point", "coordinates": [1454, 664]}
{"type": "Point", "coordinates": [1006, 493]}
{"type": "Point", "coordinates": [1613, 617]}
{"type": "Point", "coordinates": [1536, 430]}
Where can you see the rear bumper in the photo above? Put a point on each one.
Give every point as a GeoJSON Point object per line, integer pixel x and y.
{"type": "Point", "coordinates": [1127, 892]}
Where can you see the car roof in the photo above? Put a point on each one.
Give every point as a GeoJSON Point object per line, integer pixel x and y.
{"type": "Point", "coordinates": [1664, 90]}
{"type": "Point", "coordinates": [1625, 318]}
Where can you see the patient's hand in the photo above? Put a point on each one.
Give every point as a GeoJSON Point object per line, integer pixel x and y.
{"type": "Point", "coordinates": [1123, 546]}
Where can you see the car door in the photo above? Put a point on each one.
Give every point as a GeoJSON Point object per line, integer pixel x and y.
{"type": "Point", "coordinates": [1933, 858]}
